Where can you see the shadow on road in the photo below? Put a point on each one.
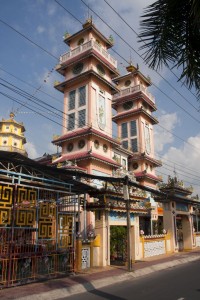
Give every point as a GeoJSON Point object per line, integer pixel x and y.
{"type": "Point", "coordinates": [89, 287]}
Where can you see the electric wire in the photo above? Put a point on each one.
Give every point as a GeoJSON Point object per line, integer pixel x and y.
{"type": "Point", "coordinates": [19, 102]}
{"type": "Point", "coordinates": [145, 43]}
{"type": "Point", "coordinates": [28, 39]}
{"type": "Point", "coordinates": [143, 60]}
{"type": "Point", "coordinates": [33, 42]}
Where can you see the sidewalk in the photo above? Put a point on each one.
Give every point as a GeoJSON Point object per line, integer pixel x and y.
{"type": "Point", "coordinates": [95, 278]}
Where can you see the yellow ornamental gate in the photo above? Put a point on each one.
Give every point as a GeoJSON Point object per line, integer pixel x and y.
{"type": "Point", "coordinates": [36, 234]}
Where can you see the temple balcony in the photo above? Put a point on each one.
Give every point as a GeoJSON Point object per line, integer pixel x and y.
{"type": "Point", "coordinates": [91, 45]}
{"type": "Point", "coordinates": [133, 90]}
{"type": "Point", "coordinates": [13, 149]}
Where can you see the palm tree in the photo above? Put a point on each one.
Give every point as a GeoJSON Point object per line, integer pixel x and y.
{"type": "Point", "coordinates": [170, 30]}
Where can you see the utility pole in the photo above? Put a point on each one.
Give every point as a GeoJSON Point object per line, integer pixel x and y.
{"type": "Point", "coordinates": [85, 222]}
{"type": "Point", "coordinates": [126, 197]}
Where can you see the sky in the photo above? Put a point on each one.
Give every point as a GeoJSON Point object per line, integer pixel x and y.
{"type": "Point", "coordinates": [31, 33]}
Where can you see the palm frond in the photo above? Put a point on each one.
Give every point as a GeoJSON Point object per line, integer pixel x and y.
{"type": "Point", "coordinates": [170, 32]}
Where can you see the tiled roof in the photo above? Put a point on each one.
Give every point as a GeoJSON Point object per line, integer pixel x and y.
{"type": "Point", "coordinates": [147, 175]}
{"type": "Point", "coordinates": [143, 156]}
{"type": "Point", "coordinates": [132, 112]}
{"type": "Point", "coordinates": [85, 131]}
{"type": "Point", "coordinates": [85, 155]}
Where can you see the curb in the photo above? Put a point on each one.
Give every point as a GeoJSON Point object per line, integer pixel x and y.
{"type": "Point", "coordinates": [99, 283]}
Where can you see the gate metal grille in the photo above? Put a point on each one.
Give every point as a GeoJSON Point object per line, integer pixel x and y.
{"type": "Point", "coordinates": [36, 234]}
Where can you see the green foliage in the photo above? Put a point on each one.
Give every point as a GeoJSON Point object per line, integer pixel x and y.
{"type": "Point", "coordinates": [117, 240]}
{"type": "Point", "coordinates": [171, 34]}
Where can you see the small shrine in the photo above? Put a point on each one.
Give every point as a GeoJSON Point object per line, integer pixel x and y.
{"type": "Point", "coordinates": [12, 135]}
{"type": "Point", "coordinates": [179, 214]}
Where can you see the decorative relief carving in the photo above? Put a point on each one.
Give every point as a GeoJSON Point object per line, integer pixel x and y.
{"type": "Point", "coordinates": [6, 196]}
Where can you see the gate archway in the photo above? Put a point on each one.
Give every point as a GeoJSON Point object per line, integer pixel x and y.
{"type": "Point", "coordinates": [118, 245]}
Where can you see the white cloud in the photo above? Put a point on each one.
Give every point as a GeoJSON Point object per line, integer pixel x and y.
{"type": "Point", "coordinates": [51, 9]}
{"type": "Point", "coordinates": [163, 137]}
{"type": "Point", "coordinates": [185, 162]}
{"type": "Point", "coordinates": [52, 148]}
{"type": "Point", "coordinates": [31, 150]}
{"type": "Point", "coordinates": [40, 29]}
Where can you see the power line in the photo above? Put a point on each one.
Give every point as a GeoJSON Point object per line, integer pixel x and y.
{"type": "Point", "coordinates": [79, 21]}
{"type": "Point", "coordinates": [32, 86]}
{"type": "Point", "coordinates": [142, 58]}
{"type": "Point", "coordinates": [28, 39]}
{"type": "Point", "coordinates": [19, 102]}
{"type": "Point", "coordinates": [145, 62]}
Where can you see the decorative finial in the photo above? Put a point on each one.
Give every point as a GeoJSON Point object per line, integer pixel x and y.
{"type": "Point", "coordinates": [66, 35]}
{"type": "Point", "coordinates": [131, 68]}
{"type": "Point", "coordinates": [12, 115]}
{"type": "Point", "coordinates": [111, 39]}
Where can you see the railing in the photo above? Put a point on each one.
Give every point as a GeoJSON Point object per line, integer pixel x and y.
{"type": "Point", "coordinates": [36, 235]}
{"type": "Point", "coordinates": [133, 90]}
{"type": "Point", "coordinates": [13, 149]}
{"type": "Point", "coordinates": [84, 47]}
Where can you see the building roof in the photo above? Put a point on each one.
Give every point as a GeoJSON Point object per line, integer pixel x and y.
{"type": "Point", "coordinates": [132, 97]}
{"type": "Point", "coordinates": [133, 112]}
{"type": "Point", "coordinates": [88, 26]}
{"type": "Point", "coordinates": [130, 74]}
{"type": "Point", "coordinates": [84, 132]}
{"type": "Point", "coordinates": [60, 68]}
{"type": "Point", "coordinates": [143, 156]}
{"type": "Point", "coordinates": [11, 120]}
{"type": "Point", "coordinates": [24, 167]}
{"type": "Point", "coordinates": [61, 86]}
{"type": "Point", "coordinates": [86, 155]}
{"type": "Point", "coordinates": [143, 175]}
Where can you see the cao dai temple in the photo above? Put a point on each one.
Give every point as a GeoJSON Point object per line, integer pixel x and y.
{"type": "Point", "coordinates": [97, 202]}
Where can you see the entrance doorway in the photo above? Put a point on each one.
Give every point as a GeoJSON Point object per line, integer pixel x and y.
{"type": "Point", "coordinates": [118, 245]}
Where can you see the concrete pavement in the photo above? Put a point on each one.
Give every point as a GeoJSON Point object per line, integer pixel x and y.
{"type": "Point", "coordinates": [95, 278]}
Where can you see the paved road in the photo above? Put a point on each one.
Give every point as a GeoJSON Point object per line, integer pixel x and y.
{"type": "Point", "coordinates": [178, 283]}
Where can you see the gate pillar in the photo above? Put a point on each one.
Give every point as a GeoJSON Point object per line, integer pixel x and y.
{"type": "Point", "coordinates": [169, 222]}
{"type": "Point", "coordinates": [102, 230]}
{"type": "Point", "coordinates": [78, 255]}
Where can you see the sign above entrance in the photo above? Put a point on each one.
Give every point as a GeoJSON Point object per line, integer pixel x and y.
{"type": "Point", "coordinates": [182, 207]}
{"type": "Point", "coordinates": [120, 216]}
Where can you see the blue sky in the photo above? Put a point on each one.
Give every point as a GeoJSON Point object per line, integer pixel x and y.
{"type": "Point", "coordinates": [44, 22]}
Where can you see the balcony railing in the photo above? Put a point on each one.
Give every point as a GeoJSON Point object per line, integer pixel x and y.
{"type": "Point", "coordinates": [133, 90]}
{"type": "Point", "coordinates": [13, 149]}
{"type": "Point", "coordinates": [84, 47]}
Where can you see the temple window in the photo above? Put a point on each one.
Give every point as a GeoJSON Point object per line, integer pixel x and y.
{"type": "Point", "coordinates": [71, 121]}
{"type": "Point", "coordinates": [82, 95]}
{"type": "Point", "coordinates": [81, 118]}
{"type": "Point", "coordinates": [72, 95]}
{"type": "Point", "coordinates": [134, 145]}
{"type": "Point", "coordinates": [124, 128]}
{"type": "Point", "coordinates": [80, 42]}
{"type": "Point", "coordinates": [133, 128]}
{"type": "Point", "coordinates": [125, 144]}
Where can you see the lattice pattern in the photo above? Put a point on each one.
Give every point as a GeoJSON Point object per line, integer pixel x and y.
{"type": "Point", "coordinates": [6, 196]}
{"type": "Point", "coordinates": [47, 214]}
{"type": "Point", "coordinates": [154, 248]}
{"type": "Point", "coordinates": [26, 217]}
{"type": "Point", "coordinates": [26, 196]}
{"type": "Point", "coordinates": [30, 238]}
